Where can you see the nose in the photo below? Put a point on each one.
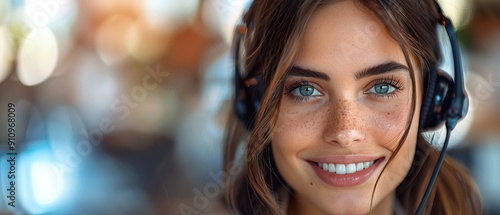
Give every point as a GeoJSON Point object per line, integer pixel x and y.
{"type": "Point", "coordinates": [344, 124]}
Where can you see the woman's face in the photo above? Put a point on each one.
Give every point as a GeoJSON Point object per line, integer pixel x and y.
{"type": "Point", "coordinates": [345, 107]}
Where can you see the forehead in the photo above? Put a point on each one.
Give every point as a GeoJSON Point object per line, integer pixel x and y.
{"type": "Point", "coordinates": [345, 34]}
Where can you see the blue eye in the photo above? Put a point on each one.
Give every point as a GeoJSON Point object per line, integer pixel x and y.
{"type": "Point", "coordinates": [306, 90]}
{"type": "Point", "coordinates": [302, 91]}
{"type": "Point", "coordinates": [386, 88]}
{"type": "Point", "coordinates": [382, 89]}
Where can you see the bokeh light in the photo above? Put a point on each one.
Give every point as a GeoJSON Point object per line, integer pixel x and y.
{"type": "Point", "coordinates": [459, 11]}
{"type": "Point", "coordinates": [47, 183]}
{"type": "Point", "coordinates": [146, 43]}
{"type": "Point", "coordinates": [5, 10]}
{"type": "Point", "coordinates": [95, 85]}
{"type": "Point", "coordinates": [41, 184]}
{"type": "Point", "coordinates": [111, 38]}
{"type": "Point", "coordinates": [170, 15]}
{"type": "Point", "coordinates": [37, 57]}
{"type": "Point", "coordinates": [221, 16]}
{"type": "Point", "coordinates": [6, 53]}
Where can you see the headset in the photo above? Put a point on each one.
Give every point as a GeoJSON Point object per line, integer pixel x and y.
{"type": "Point", "coordinates": [445, 100]}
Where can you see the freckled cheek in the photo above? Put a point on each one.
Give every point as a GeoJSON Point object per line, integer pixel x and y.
{"type": "Point", "coordinates": [389, 125]}
{"type": "Point", "coordinates": [293, 133]}
{"type": "Point", "coordinates": [295, 130]}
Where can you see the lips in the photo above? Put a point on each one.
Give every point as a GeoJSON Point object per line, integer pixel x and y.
{"type": "Point", "coordinates": [345, 171]}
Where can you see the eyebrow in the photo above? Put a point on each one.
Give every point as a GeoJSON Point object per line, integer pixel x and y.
{"type": "Point", "coordinates": [303, 72]}
{"type": "Point", "coordinates": [371, 71]}
{"type": "Point", "coordinates": [381, 69]}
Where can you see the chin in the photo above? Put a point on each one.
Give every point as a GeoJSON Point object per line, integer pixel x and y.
{"type": "Point", "coordinates": [334, 202]}
{"type": "Point", "coordinates": [351, 211]}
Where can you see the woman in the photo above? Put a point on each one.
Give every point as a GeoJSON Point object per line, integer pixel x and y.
{"type": "Point", "coordinates": [337, 128]}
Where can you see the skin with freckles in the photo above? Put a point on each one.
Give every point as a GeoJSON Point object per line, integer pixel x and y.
{"type": "Point", "coordinates": [345, 111]}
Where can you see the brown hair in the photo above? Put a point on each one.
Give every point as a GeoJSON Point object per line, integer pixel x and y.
{"type": "Point", "coordinates": [275, 31]}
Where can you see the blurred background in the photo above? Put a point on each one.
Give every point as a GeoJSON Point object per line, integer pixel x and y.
{"type": "Point", "coordinates": [121, 105]}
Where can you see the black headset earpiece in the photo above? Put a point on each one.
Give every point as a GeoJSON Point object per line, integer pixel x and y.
{"type": "Point", "coordinates": [437, 99]}
{"type": "Point", "coordinates": [247, 101]}
{"type": "Point", "coordinates": [445, 98]}
{"type": "Point", "coordinates": [248, 90]}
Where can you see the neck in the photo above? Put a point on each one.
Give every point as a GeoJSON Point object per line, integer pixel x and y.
{"type": "Point", "coordinates": [299, 207]}
{"type": "Point", "coordinates": [386, 206]}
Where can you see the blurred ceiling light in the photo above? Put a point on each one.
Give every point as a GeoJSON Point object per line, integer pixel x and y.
{"type": "Point", "coordinates": [459, 11]}
{"type": "Point", "coordinates": [37, 57]}
{"type": "Point", "coordinates": [6, 53]}
{"type": "Point", "coordinates": [170, 15]}
{"type": "Point", "coordinates": [110, 41]}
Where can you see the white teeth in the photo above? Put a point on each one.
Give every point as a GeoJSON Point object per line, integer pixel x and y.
{"type": "Point", "coordinates": [331, 167]}
{"type": "Point", "coordinates": [340, 169]}
{"type": "Point", "coordinates": [359, 167]}
{"type": "Point", "coordinates": [351, 168]}
{"type": "Point", "coordinates": [345, 168]}
{"type": "Point", "coordinates": [366, 164]}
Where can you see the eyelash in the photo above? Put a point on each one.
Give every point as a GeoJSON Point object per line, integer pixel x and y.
{"type": "Point", "coordinates": [396, 83]}
{"type": "Point", "coordinates": [392, 81]}
{"type": "Point", "coordinates": [289, 90]}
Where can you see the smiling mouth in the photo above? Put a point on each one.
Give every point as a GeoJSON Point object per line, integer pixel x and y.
{"type": "Point", "coordinates": [349, 168]}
